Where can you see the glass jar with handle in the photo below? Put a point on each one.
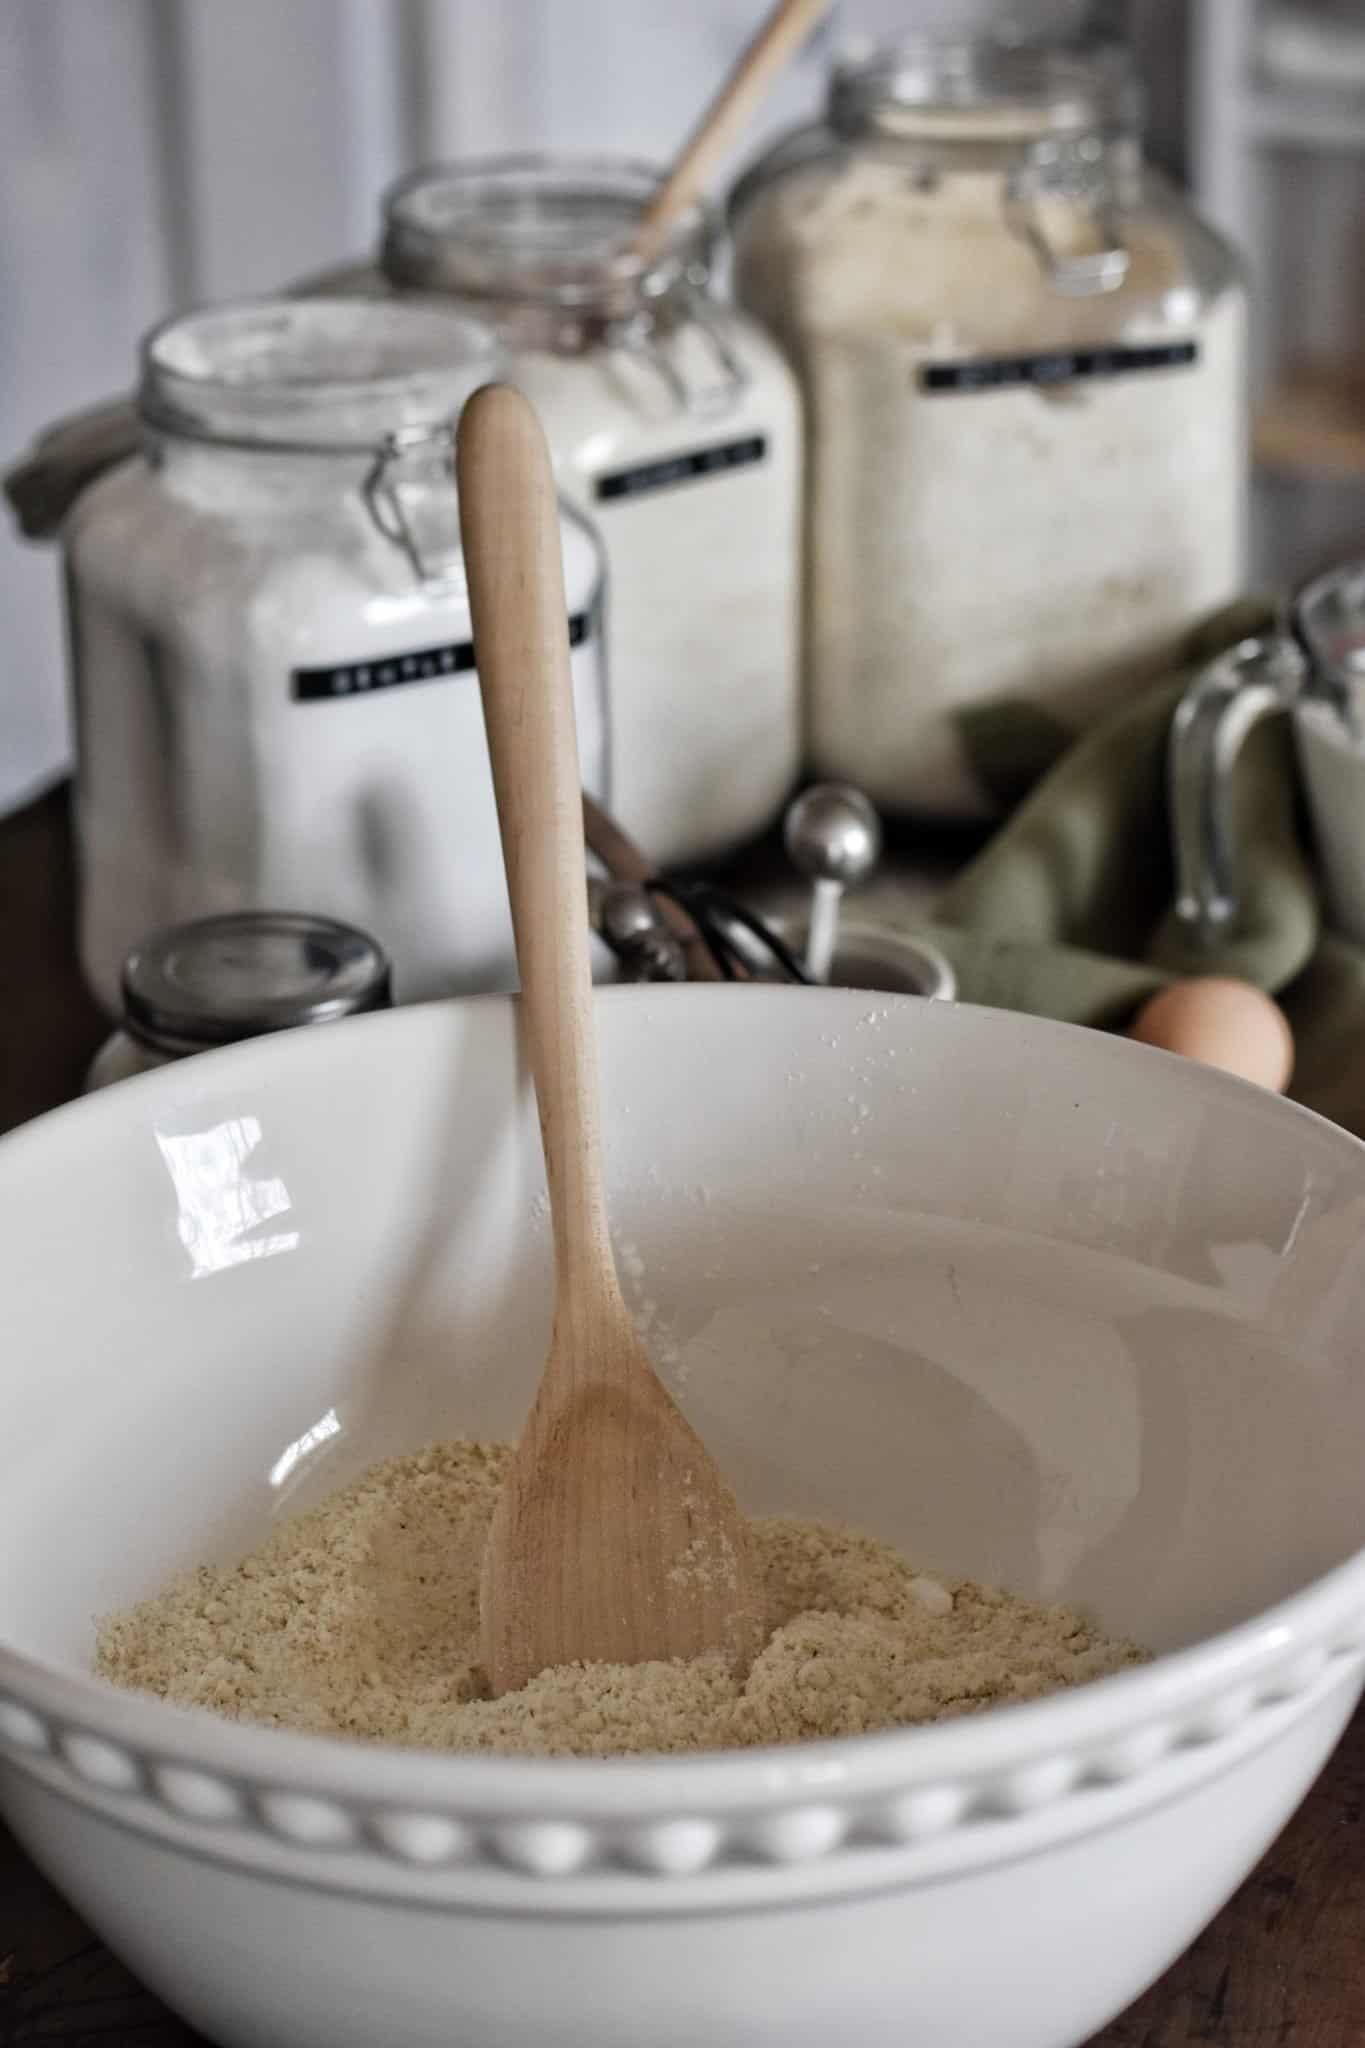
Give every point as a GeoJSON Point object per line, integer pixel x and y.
{"type": "Point", "coordinates": [1022, 360]}
{"type": "Point", "coordinates": [1314, 670]}
{"type": "Point", "coordinates": [675, 423]}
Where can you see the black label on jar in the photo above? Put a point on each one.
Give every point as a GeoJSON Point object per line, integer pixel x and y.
{"type": "Point", "coordinates": [682, 469]}
{"type": "Point", "coordinates": [392, 671]}
{"type": "Point", "coordinates": [1058, 366]}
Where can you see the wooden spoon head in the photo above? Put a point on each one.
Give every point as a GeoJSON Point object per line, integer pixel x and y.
{"type": "Point", "coordinates": [615, 1539]}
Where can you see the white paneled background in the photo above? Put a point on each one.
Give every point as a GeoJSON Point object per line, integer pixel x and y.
{"type": "Point", "coordinates": [158, 152]}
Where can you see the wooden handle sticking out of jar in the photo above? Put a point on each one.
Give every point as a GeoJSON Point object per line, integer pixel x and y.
{"type": "Point", "coordinates": [777, 41]}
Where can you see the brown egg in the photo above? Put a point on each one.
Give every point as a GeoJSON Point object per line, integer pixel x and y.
{"type": "Point", "coordinates": [1224, 1023]}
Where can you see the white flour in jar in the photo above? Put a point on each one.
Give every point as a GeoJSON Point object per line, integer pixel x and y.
{"type": "Point", "coordinates": [275, 709]}
{"type": "Point", "coordinates": [1048, 547]}
{"type": "Point", "coordinates": [699, 514]}
{"type": "Point", "coordinates": [206, 785]}
{"type": "Point", "coordinates": [675, 426]}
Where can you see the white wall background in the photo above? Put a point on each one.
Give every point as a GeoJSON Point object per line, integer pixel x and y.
{"type": "Point", "coordinates": [158, 152]}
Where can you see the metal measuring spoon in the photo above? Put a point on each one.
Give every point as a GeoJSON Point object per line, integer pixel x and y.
{"type": "Point", "coordinates": [832, 835]}
{"type": "Point", "coordinates": [625, 916]}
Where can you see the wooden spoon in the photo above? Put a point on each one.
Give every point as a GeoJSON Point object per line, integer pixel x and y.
{"type": "Point", "coordinates": [615, 1539]}
{"type": "Point", "coordinates": [783, 31]}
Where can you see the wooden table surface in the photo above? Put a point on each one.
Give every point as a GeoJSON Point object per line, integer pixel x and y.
{"type": "Point", "coordinates": [1282, 1967]}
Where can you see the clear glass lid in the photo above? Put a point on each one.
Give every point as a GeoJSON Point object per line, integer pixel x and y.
{"type": "Point", "coordinates": [983, 91]}
{"type": "Point", "coordinates": [542, 230]}
{"type": "Point", "coordinates": [307, 373]}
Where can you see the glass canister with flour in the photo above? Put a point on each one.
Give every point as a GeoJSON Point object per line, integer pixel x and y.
{"type": "Point", "coordinates": [1022, 358]}
{"type": "Point", "coordinates": [274, 670]}
{"type": "Point", "coordinates": [674, 422]}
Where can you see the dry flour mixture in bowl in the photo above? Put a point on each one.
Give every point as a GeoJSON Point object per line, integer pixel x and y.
{"type": "Point", "coordinates": [1023, 1344]}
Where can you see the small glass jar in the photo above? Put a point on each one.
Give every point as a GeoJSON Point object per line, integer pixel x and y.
{"type": "Point", "coordinates": [224, 979]}
{"type": "Point", "coordinates": [1022, 357]}
{"type": "Point", "coordinates": [675, 421]}
{"type": "Point", "coordinates": [273, 660]}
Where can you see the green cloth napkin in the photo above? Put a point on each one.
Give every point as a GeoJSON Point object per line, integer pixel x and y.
{"type": "Point", "coordinates": [1067, 912]}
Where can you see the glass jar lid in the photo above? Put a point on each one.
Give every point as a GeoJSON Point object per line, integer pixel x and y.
{"type": "Point", "coordinates": [538, 230]}
{"type": "Point", "coordinates": [985, 92]}
{"type": "Point", "coordinates": [325, 374]}
{"type": "Point", "coordinates": [247, 973]}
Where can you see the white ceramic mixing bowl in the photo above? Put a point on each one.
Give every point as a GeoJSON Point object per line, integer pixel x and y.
{"type": "Point", "coordinates": [1042, 1306]}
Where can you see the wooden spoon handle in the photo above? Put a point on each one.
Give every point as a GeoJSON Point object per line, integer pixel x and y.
{"type": "Point", "coordinates": [783, 31]}
{"type": "Point", "coordinates": [509, 516]}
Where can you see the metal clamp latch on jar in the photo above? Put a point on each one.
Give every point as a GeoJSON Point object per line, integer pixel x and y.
{"type": "Point", "coordinates": [1075, 170]}
{"type": "Point", "coordinates": [638, 335]}
{"type": "Point", "coordinates": [410, 495]}
{"type": "Point", "coordinates": [1316, 665]}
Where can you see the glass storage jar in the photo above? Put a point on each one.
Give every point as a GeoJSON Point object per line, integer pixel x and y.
{"type": "Point", "coordinates": [1022, 359]}
{"type": "Point", "coordinates": [275, 694]}
{"type": "Point", "coordinates": [674, 422]}
{"type": "Point", "coordinates": [223, 979]}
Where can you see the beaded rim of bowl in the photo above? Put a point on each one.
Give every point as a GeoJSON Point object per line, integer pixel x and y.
{"type": "Point", "coordinates": [835, 1815]}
